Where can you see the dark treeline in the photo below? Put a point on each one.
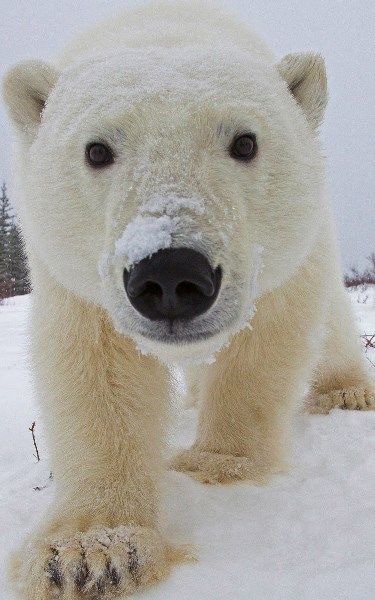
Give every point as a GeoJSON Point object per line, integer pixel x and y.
{"type": "Point", "coordinates": [358, 278]}
{"type": "Point", "coordinates": [14, 273]}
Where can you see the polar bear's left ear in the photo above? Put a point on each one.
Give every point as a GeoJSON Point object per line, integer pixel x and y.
{"type": "Point", "coordinates": [26, 88]}
{"type": "Point", "coordinates": [306, 77]}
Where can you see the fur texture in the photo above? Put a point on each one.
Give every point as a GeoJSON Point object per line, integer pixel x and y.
{"type": "Point", "coordinates": [168, 87]}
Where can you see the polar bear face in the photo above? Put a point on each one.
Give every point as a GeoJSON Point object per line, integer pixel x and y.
{"type": "Point", "coordinates": [143, 151]}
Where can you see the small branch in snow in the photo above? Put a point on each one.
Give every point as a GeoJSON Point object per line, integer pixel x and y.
{"type": "Point", "coordinates": [368, 340]}
{"type": "Point", "coordinates": [39, 488]}
{"type": "Point", "coordinates": [32, 429]}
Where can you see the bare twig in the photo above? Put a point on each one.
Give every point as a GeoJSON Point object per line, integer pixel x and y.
{"type": "Point", "coordinates": [39, 488]}
{"type": "Point", "coordinates": [32, 429]}
{"type": "Point", "coordinates": [368, 340]}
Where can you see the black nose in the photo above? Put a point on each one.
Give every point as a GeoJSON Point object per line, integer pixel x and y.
{"type": "Point", "coordinates": [174, 283]}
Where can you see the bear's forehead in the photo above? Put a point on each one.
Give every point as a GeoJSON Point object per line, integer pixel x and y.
{"type": "Point", "coordinates": [176, 76]}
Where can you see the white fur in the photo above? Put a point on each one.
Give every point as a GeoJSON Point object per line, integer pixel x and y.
{"type": "Point", "coordinates": [160, 113]}
{"type": "Point", "coordinates": [168, 87]}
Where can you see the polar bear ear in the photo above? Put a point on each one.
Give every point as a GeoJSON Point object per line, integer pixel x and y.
{"type": "Point", "coordinates": [306, 77]}
{"type": "Point", "coordinates": [25, 89]}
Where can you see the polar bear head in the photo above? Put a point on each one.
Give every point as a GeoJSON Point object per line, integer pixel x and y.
{"type": "Point", "coordinates": [172, 189]}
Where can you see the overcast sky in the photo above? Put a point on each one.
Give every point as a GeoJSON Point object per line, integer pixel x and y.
{"type": "Point", "coordinates": [342, 30]}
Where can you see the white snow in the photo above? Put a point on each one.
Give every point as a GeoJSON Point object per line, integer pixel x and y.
{"type": "Point", "coordinates": [153, 227]}
{"type": "Point", "coordinates": [310, 535]}
{"type": "Point", "coordinates": [145, 235]}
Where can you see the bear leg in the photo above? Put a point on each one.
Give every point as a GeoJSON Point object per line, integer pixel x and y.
{"type": "Point", "coordinates": [103, 407]}
{"type": "Point", "coordinates": [342, 378]}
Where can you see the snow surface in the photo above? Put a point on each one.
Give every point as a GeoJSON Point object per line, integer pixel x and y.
{"type": "Point", "coordinates": [310, 535]}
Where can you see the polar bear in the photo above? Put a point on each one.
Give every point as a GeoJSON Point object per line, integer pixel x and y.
{"type": "Point", "coordinates": [173, 200]}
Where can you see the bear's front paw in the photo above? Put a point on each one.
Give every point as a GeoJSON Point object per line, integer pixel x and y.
{"type": "Point", "coordinates": [210, 467]}
{"type": "Point", "coordinates": [97, 565]}
{"type": "Point", "coordinates": [346, 399]}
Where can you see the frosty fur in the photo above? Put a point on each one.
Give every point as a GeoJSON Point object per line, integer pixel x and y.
{"type": "Point", "coordinates": [171, 115]}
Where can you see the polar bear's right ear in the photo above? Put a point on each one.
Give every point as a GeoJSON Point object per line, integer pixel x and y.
{"type": "Point", "coordinates": [25, 90]}
{"type": "Point", "coordinates": [305, 75]}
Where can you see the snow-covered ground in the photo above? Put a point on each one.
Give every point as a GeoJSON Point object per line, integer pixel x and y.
{"type": "Point", "coordinates": [310, 535]}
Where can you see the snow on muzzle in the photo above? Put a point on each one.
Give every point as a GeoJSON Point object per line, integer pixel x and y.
{"type": "Point", "coordinates": [165, 278]}
{"type": "Point", "coordinates": [173, 283]}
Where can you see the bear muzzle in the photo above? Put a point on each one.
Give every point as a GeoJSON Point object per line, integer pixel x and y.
{"type": "Point", "coordinates": [173, 283]}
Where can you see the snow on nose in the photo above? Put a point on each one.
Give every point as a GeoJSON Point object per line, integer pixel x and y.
{"type": "Point", "coordinates": [145, 235]}
{"type": "Point", "coordinates": [157, 221]}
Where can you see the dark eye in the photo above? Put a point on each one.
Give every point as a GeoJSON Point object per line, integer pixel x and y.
{"type": "Point", "coordinates": [244, 147]}
{"type": "Point", "coordinates": [98, 155]}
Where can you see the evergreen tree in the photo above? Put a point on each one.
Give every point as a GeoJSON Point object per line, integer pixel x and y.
{"type": "Point", "coordinates": [18, 267]}
{"type": "Point", "coordinates": [6, 222]}
{"type": "Point", "coordinates": [14, 278]}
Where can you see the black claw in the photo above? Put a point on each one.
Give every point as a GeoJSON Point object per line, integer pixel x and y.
{"type": "Point", "coordinates": [53, 572]}
{"type": "Point", "coordinates": [101, 584]}
{"type": "Point", "coordinates": [133, 564]}
{"type": "Point", "coordinates": [113, 575]}
{"type": "Point", "coordinates": [81, 576]}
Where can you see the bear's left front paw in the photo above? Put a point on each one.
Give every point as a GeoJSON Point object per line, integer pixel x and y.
{"type": "Point", "coordinates": [346, 399]}
{"type": "Point", "coordinates": [213, 468]}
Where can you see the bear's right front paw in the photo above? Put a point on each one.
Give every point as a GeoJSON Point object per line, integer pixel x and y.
{"type": "Point", "coordinates": [96, 565]}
